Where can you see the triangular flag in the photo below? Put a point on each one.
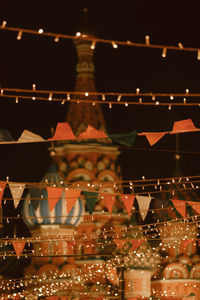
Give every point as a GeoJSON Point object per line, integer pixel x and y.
{"type": "Point", "coordinates": [186, 242]}
{"type": "Point", "coordinates": [136, 244]}
{"type": "Point", "coordinates": [180, 207]}
{"type": "Point", "coordinates": [126, 139]}
{"type": "Point", "coordinates": [92, 133]}
{"type": "Point", "coordinates": [36, 195]}
{"type": "Point", "coordinates": [128, 200]}
{"type": "Point", "coordinates": [71, 198]}
{"type": "Point", "coordinates": [63, 132]}
{"type": "Point", "coordinates": [109, 200]}
{"type": "Point", "coordinates": [143, 202]}
{"type": "Point", "coordinates": [120, 243]}
{"type": "Point", "coordinates": [54, 194]}
{"type": "Point", "coordinates": [28, 136]}
{"type": "Point", "coordinates": [90, 198]}
{"type": "Point", "coordinates": [184, 125]}
{"type": "Point", "coordinates": [17, 190]}
{"type": "Point", "coordinates": [2, 187]}
{"type": "Point", "coordinates": [153, 137]}
{"type": "Point", "coordinates": [19, 247]}
{"type": "Point", "coordinates": [195, 205]}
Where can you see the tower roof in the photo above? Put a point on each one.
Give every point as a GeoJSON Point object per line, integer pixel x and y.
{"type": "Point", "coordinates": [80, 115]}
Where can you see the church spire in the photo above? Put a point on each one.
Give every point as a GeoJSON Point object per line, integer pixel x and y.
{"type": "Point", "coordinates": [79, 116]}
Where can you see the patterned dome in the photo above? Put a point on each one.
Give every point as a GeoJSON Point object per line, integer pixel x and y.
{"type": "Point", "coordinates": [59, 215]}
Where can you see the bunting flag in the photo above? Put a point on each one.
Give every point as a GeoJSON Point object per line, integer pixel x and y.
{"type": "Point", "coordinates": [153, 137]}
{"type": "Point", "coordinates": [120, 243]}
{"type": "Point", "coordinates": [128, 200]}
{"type": "Point", "coordinates": [63, 132]}
{"type": "Point", "coordinates": [186, 242]}
{"type": "Point", "coordinates": [184, 125]}
{"type": "Point", "coordinates": [92, 133]}
{"type": "Point", "coordinates": [109, 200]}
{"type": "Point", "coordinates": [28, 137]}
{"type": "Point", "coordinates": [18, 247]}
{"type": "Point", "coordinates": [71, 198]}
{"type": "Point", "coordinates": [36, 195]}
{"type": "Point", "coordinates": [195, 205]}
{"type": "Point", "coordinates": [126, 139]}
{"type": "Point", "coordinates": [54, 194]}
{"type": "Point", "coordinates": [180, 207]}
{"type": "Point", "coordinates": [16, 190]}
{"type": "Point", "coordinates": [2, 187]}
{"type": "Point", "coordinates": [91, 199]}
{"type": "Point", "coordinates": [143, 202]}
{"type": "Point", "coordinates": [136, 243]}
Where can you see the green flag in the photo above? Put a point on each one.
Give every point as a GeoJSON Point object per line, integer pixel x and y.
{"type": "Point", "coordinates": [126, 139]}
{"type": "Point", "coordinates": [90, 198]}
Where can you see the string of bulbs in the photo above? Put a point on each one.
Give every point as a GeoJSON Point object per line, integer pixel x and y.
{"type": "Point", "coordinates": [93, 40]}
{"type": "Point", "coordinates": [109, 98]}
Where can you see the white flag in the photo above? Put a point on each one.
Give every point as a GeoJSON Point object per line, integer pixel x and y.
{"type": "Point", "coordinates": [16, 189]}
{"type": "Point", "coordinates": [28, 136]}
{"type": "Point", "coordinates": [143, 202]}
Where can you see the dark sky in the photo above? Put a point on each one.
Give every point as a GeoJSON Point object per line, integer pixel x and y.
{"type": "Point", "coordinates": [51, 65]}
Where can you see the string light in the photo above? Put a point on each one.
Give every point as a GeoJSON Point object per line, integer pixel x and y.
{"type": "Point", "coordinates": [164, 53]}
{"type": "Point", "coordinates": [171, 97]}
{"type": "Point", "coordinates": [78, 34]}
{"type": "Point", "coordinates": [40, 31]}
{"type": "Point", "coordinates": [103, 97]}
{"type": "Point", "coordinates": [110, 105]}
{"type": "Point", "coordinates": [33, 98]}
{"type": "Point", "coordinates": [119, 98]}
{"type": "Point", "coordinates": [187, 91]}
{"type": "Point", "coordinates": [169, 107]}
{"type": "Point", "coordinates": [4, 23]}
{"type": "Point", "coordinates": [137, 91]}
{"type": "Point", "coordinates": [180, 45]}
{"type": "Point", "coordinates": [147, 40]}
{"type": "Point", "coordinates": [126, 104]}
{"type": "Point", "coordinates": [86, 94]}
{"type": "Point", "coordinates": [115, 46]}
{"type": "Point", "coordinates": [140, 100]}
{"type": "Point", "coordinates": [16, 100]}
{"type": "Point", "coordinates": [34, 86]}
{"type": "Point", "coordinates": [184, 100]}
{"type": "Point", "coordinates": [68, 96]}
{"type": "Point", "coordinates": [93, 45]}
{"type": "Point", "coordinates": [1, 92]}
{"type": "Point", "coordinates": [19, 36]}
{"type": "Point", "coordinates": [63, 102]}
{"type": "Point", "coordinates": [50, 96]}
{"type": "Point", "coordinates": [56, 39]}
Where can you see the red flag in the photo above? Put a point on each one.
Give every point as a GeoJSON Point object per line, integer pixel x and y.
{"type": "Point", "coordinates": [153, 137]}
{"type": "Point", "coordinates": [128, 200]}
{"type": "Point", "coordinates": [19, 247]}
{"type": "Point", "coordinates": [180, 207]}
{"type": "Point", "coordinates": [184, 125]}
{"type": "Point", "coordinates": [2, 187]}
{"type": "Point", "coordinates": [137, 243]}
{"type": "Point", "coordinates": [71, 198]}
{"type": "Point", "coordinates": [120, 243]}
{"type": "Point", "coordinates": [63, 132]}
{"type": "Point", "coordinates": [92, 133]}
{"type": "Point", "coordinates": [54, 194]}
{"type": "Point", "coordinates": [195, 205]}
{"type": "Point", "coordinates": [109, 200]}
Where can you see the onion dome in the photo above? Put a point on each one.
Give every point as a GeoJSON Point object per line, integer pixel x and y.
{"type": "Point", "coordinates": [59, 215]}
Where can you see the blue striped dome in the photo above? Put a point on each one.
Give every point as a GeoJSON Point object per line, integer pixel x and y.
{"type": "Point", "coordinates": [59, 215]}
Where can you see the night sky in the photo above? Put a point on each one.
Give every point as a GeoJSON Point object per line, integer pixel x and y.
{"type": "Point", "coordinates": [36, 59]}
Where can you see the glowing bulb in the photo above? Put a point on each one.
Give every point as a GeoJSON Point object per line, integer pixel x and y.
{"type": "Point", "coordinates": [40, 31]}
{"type": "Point", "coordinates": [187, 91]}
{"type": "Point", "coordinates": [153, 98]}
{"type": "Point", "coordinates": [93, 103]}
{"type": "Point", "coordinates": [17, 100]}
{"type": "Point", "coordinates": [137, 91]}
{"type": "Point", "coordinates": [198, 55]}
{"type": "Point", "coordinates": [33, 98]}
{"type": "Point", "coordinates": [63, 102]}
{"type": "Point", "coordinates": [180, 45]}
{"type": "Point", "coordinates": [4, 24]}
{"type": "Point", "coordinates": [56, 39]}
{"type": "Point", "coordinates": [140, 100]}
{"type": "Point", "coordinates": [110, 105]}
{"type": "Point", "coordinates": [93, 45]}
{"type": "Point", "coordinates": [68, 96]}
{"type": "Point", "coordinates": [170, 107]}
{"type": "Point", "coordinates": [157, 103]}
{"type": "Point", "coordinates": [103, 97]}
{"type": "Point", "coordinates": [164, 53]}
{"type": "Point", "coordinates": [19, 36]}
{"type": "Point", "coordinates": [86, 94]}
{"type": "Point", "coordinates": [184, 100]}
{"type": "Point", "coordinates": [147, 39]}
{"type": "Point", "coordinates": [1, 92]}
{"type": "Point", "coordinates": [50, 96]}
{"type": "Point", "coordinates": [171, 98]}
{"type": "Point", "coordinates": [114, 45]}
{"type": "Point", "coordinates": [78, 34]}
{"type": "Point", "coordinates": [119, 98]}
{"type": "Point", "coordinates": [126, 104]}
{"type": "Point", "coordinates": [34, 86]}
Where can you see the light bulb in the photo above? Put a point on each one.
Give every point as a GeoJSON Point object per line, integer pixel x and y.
{"type": "Point", "coordinates": [4, 24]}
{"type": "Point", "coordinates": [19, 36]}
{"type": "Point", "coordinates": [114, 45]}
{"type": "Point", "coordinates": [78, 34]}
{"type": "Point", "coordinates": [40, 31]}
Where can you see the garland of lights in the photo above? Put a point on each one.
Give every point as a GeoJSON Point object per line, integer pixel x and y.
{"type": "Point", "coordinates": [93, 40]}
{"type": "Point", "coordinates": [109, 98]}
